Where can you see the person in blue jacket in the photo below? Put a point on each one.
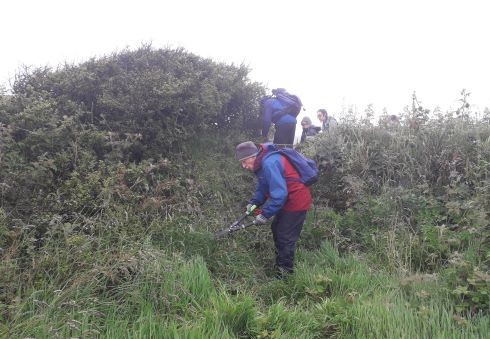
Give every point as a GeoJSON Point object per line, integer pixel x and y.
{"type": "Point", "coordinates": [281, 195]}
{"type": "Point", "coordinates": [285, 124]}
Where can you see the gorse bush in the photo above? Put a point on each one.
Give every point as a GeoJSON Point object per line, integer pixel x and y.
{"type": "Point", "coordinates": [156, 97]}
{"type": "Point", "coordinates": [58, 125]}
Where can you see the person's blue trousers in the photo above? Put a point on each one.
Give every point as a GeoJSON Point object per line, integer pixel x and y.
{"type": "Point", "coordinates": [284, 134]}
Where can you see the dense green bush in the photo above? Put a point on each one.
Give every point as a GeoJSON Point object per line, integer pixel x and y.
{"type": "Point", "coordinates": [156, 97]}
{"type": "Point", "coordinates": [62, 127]}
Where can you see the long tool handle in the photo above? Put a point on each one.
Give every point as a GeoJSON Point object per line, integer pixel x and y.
{"type": "Point", "coordinates": [236, 225]}
{"type": "Point", "coordinates": [247, 213]}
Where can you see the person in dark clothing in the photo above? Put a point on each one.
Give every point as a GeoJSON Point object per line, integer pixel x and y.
{"type": "Point", "coordinates": [285, 124]}
{"type": "Point", "coordinates": [282, 197]}
{"type": "Point", "coordinates": [308, 129]}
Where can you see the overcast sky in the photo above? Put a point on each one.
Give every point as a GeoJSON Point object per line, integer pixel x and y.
{"type": "Point", "coordinates": [332, 54]}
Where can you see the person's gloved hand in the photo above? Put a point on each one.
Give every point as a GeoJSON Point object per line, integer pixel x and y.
{"type": "Point", "coordinates": [260, 219]}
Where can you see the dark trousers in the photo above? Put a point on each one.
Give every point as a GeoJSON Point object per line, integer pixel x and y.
{"type": "Point", "coordinates": [286, 229]}
{"type": "Point", "coordinates": [284, 134]}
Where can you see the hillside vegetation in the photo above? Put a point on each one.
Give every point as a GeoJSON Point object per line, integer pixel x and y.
{"type": "Point", "coordinates": [115, 173]}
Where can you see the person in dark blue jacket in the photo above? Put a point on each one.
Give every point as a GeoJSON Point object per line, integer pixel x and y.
{"type": "Point", "coordinates": [282, 196]}
{"type": "Point", "coordinates": [309, 130]}
{"type": "Point", "coordinates": [285, 124]}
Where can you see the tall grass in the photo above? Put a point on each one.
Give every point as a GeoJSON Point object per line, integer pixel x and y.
{"type": "Point", "coordinates": [330, 295]}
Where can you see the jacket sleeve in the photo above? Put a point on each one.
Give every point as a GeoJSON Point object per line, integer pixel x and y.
{"type": "Point", "coordinates": [274, 176]}
{"type": "Point", "coordinates": [259, 196]}
{"type": "Point", "coordinates": [266, 119]}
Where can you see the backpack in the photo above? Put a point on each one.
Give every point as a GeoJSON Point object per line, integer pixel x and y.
{"type": "Point", "coordinates": [306, 167]}
{"type": "Point", "coordinates": [291, 103]}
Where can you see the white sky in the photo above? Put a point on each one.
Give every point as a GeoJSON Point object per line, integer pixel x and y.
{"type": "Point", "coordinates": [332, 54]}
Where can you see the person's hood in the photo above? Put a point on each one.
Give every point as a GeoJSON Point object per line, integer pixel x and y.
{"type": "Point", "coordinates": [264, 149]}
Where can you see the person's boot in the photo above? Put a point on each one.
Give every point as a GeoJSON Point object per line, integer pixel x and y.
{"type": "Point", "coordinates": [282, 273]}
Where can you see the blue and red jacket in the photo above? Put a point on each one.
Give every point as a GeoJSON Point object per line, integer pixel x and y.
{"type": "Point", "coordinates": [278, 187]}
{"type": "Point", "coordinates": [271, 109]}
